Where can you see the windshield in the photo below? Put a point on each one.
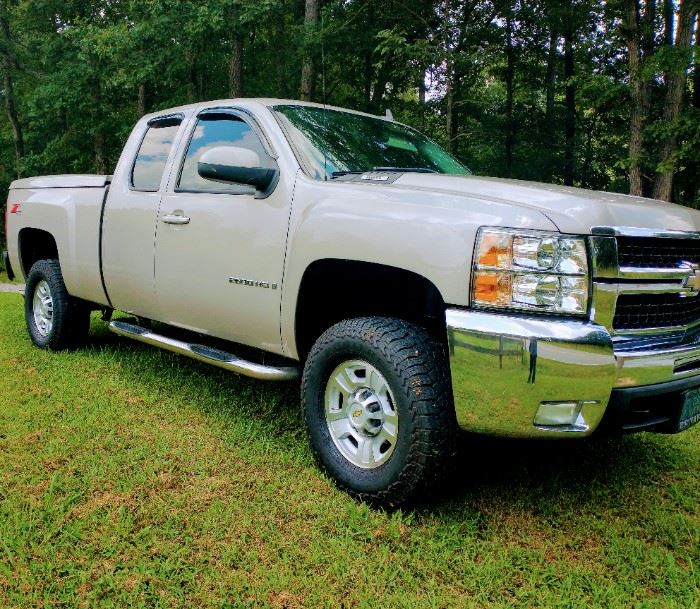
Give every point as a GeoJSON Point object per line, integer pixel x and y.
{"type": "Point", "coordinates": [332, 143]}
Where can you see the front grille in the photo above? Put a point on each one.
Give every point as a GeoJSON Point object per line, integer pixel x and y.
{"type": "Point", "coordinates": [637, 311]}
{"type": "Point", "coordinates": [657, 252]}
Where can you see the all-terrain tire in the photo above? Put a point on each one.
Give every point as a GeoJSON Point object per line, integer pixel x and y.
{"type": "Point", "coordinates": [415, 368]}
{"type": "Point", "coordinates": [69, 318]}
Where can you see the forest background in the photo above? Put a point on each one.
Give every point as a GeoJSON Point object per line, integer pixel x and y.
{"type": "Point", "coordinates": [602, 95]}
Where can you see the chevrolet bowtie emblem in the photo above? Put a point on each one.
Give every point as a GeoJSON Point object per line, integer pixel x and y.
{"type": "Point", "coordinates": [692, 281]}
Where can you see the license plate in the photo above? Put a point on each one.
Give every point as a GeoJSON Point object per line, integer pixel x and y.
{"type": "Point", "coordinates": [690, 410]}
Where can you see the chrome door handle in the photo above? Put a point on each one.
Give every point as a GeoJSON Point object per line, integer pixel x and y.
{"type": "Point", "coordinates": [176, 219]}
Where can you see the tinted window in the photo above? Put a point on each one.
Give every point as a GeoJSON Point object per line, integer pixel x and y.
{"type": "Point", "coordinates": [153, 154]}
{"type": "Point", "coordinates": [211, 131]}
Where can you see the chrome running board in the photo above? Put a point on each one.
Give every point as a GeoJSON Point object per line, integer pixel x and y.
{"type": "Point", "coordinates": [208, 355]}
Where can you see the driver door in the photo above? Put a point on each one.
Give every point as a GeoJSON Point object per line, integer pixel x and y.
{"type": "Point", "coordinates": [219, 249]}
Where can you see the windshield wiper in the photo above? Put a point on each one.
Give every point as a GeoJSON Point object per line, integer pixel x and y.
{"type": "Point", "coordinates": [338, 174]}
{"type": "Point", "coordinates": [406, 169]}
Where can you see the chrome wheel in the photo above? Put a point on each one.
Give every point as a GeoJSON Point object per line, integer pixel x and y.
{"type": "Point", "coordinates": [42, 305]}
{"type": "Point", "coordinates": [361, 414]}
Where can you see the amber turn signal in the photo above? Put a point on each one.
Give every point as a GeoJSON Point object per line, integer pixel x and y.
{"type": "Point", "coordinates": [494, 250]}
{"type": "Point", "coordinates": [492, 287]}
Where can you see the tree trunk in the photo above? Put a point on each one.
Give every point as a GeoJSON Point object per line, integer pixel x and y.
{"type": "Point", "coordinates": [510, 77]}
{"type": "Point", "coordinates": [191, 58]}
{"type": "Point", "coordinates": [551, 78]}
{"type": "Point", "coordinates": [648, 29]}
{"type": "Point", "coordinates": [449, 77]}
{"type": "Point", "coordinates": [570, 106]}
{"type": "Point", "coordinates": [100, 155]}
{"type": "Point", "coordinates": [378, 91]}
{"type": "Point", "coordinates": [449, 115]}
{"type": "Point", "coordinates": [98, 139]}
{"type": "Point", "coordinates": [669, 19]}
{"type": "Point", "coordinates": [694, 166]}
{"type": "Point", "coordinates": [8, 63]}
{"type": "Point", "coordinates": [201, 86]}
{"type": "Point", "coordinates": [143, 99]}
{"type": "Point", "coordinates": [235, 67]}
{"type": "Point", "coordinates": [638, 96]}
{"type": "Point", "coordinates": [308, 72]}
{"type": "Point", "coordinates": [281, 41]}
{"type": "Point", "coordinates": [422, 91]}
{"type": "Point", "coordinates": [677, 78]}
{"type": "Point", "coordinates": [549, 131]}
{"type": "Point", "coordinates": [367, 84]}
{"type": "Point", "coordinates": [696, 68]}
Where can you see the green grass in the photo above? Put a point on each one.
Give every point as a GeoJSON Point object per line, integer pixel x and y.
{"type": "Point", "coordinates": [134, 477]}
{"type": "Point", "coordinates": [5, 279]}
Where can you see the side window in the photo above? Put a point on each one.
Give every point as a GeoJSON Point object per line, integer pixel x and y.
{"type": "Point", "coordinates": [212, 130]}
{"type": "Point", "coordinates": [153, 154]}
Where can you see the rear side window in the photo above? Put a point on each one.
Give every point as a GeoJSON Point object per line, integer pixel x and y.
{"type": "Point", "coordinates": [212, 130]}
{"type": "Point", "coordinates": [153, 154]}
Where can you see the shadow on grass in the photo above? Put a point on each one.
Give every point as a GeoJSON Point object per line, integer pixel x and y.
{"type": "Point", "coordinates": [596, 476]}
{"type": "Point", "coordinates": [591, 475]}
{"type": "Point", "coordinates": [274, 406]}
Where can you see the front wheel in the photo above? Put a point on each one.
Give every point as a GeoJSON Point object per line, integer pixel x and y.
{"type": "Point", "coordinates": [378, 407]}
{"type": "Point", "coordinates": [55, 319]}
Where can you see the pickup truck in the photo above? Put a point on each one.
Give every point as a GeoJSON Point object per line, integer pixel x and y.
{"type": "Point", "coordinates": [279, 239]}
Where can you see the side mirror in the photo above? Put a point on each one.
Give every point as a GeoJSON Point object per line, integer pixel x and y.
{"type": "Point", "coordinates": [234, 165]}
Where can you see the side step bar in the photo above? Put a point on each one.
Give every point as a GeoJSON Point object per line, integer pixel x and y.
{"type": "Point", "coordinates": [209, 355]}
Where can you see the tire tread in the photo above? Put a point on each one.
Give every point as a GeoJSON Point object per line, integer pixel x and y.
{"type": "Point", "coordinates": [71, 316]}
{"type": "Point", "coordinates": [420, 363]}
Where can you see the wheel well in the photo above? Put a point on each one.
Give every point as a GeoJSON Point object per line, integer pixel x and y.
{"type": "Point", "coordinates": [35, 245]}
{"type": "Point", "coordinates": [333, 290]}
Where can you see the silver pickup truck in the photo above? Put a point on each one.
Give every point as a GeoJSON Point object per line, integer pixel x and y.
{"type": "Point", "coordinates": [275, 239]}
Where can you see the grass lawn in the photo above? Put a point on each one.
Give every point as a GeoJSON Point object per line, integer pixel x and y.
{"type": "Point", "coordinates": [133, 477]}
{"type": "Point", "coordinates": [5, 279]}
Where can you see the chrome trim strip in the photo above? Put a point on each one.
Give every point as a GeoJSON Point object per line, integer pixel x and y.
{"type": "Point", "coordinates": [652, 367]}
{"type": "Point", "coordinates": [604, 303]}
{"type": "Point", "coordinates": [604, 263]}
{"type": "Point", "coordinates": [655, 341]}
{"type": "Point", "coordinates": [631, 272]}
{"type": "Point", "coordinates": [632, 231]}
{"type": "Point", "coordinates": [654, 288]}
{"type": "Point", "coordinates": [205, 354]}
{"type": "Point", "coordinates": [655, 331]}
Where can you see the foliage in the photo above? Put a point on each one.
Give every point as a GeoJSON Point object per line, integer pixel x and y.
{"type": "Point", "coordinates": [483, 77]}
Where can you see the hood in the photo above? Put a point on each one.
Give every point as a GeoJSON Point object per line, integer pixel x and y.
{"type": "Point", "coordinates": [572, 210]}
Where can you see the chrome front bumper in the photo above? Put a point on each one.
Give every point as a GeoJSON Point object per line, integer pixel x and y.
{"type": "Point", "coordinates": [505, 367]}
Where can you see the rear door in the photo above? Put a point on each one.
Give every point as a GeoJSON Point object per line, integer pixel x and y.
{"type": "Point", "coordinates": [219, 249]}
{"type": "Point", "coordinates": [129, 222]}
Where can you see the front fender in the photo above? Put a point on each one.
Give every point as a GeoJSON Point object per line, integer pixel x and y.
{"type": "Point", "coordinates": [428, 234]}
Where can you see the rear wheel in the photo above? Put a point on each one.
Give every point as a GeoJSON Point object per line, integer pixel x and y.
{"type": "Point", "coordinates": [378, 407]}
{"type": "Point", "coordinates": [55, 319]}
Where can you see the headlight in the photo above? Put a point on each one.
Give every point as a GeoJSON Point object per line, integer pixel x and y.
{"type": "Point", "coordinates": [530, 270]}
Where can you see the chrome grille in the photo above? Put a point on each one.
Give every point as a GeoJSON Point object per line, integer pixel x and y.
{"type": "Point", "coordinates": [639, 311]}
{"type": "Point", "coordinates": [646, 283]}
{"type": "Point", "coordinates": [654, 252]}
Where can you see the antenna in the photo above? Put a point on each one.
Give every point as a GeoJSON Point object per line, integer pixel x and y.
{"type": "Point", "coordinates": [323, 94]}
